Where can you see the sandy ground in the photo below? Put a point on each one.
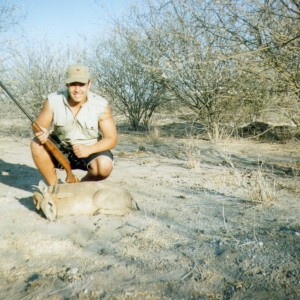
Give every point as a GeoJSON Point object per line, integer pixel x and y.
{"type": "Point", "coordinates": [216, 222]}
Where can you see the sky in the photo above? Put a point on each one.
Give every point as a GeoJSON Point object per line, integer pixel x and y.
{"type": "Point", "coordinates": [66, 20]}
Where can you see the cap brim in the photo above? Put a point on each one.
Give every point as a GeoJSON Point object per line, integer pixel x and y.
{"type": "Point", "coordinates": [77, 79]}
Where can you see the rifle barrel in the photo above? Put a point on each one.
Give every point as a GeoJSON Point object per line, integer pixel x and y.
{"type": "Point", "coordinates": [19, 105]}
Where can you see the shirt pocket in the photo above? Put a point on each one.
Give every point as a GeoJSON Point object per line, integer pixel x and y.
{"type": "Point", "coordinates": [91, 128]}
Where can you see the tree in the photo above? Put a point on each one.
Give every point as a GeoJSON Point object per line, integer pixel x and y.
{"type": "Point", "coordinates": [267, 32]}
{"type": "Point", "coordinates": [9, 19]}
{"type": "Point", "coordinates": [39, 71]}
{"type": "Point", "coordinates": [226, 60]}
{"type": "Point", "coordinates": [126, 71]}
{"type": "Point", "coordinates": [191, 61]}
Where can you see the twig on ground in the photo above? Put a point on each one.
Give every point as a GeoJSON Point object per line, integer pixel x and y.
{"type": "Point", "coordinates": [254, 229]}
{"type": "Point", "coordinates": [225, 224]}
{"type": "Point", "coordinates": [59, 290]}
{"type": "Point", "coordinates": [188, 273]}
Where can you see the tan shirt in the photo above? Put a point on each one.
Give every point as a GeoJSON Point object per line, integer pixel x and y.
{"type": "Point", "coordinates": [79, 129]}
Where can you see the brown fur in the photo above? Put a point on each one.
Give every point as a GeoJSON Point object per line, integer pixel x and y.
{"type": "Point", "coordinates": [82, 198]}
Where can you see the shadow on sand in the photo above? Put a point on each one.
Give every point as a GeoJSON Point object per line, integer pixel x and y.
{"type": "Point", "coordinates": [28, 203]}
{"type": "Point", "coordinates": [18, 176]}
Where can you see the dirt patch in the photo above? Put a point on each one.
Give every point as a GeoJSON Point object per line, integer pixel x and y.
{"type": "Point", "coordinates": [204, 231]}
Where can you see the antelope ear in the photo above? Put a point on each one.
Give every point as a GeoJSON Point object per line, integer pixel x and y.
{"type": "Point", "coordinates": [55, 189]}
{"type": "Point", "coordinates": [37, 199]}
{"type": "Point", "coordinates": [43, 187]}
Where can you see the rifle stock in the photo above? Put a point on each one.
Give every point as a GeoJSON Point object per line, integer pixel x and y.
{"type": "Point", "coordinates": [51, 147]}
{"type": "Point", "coordinates": [71, 178]}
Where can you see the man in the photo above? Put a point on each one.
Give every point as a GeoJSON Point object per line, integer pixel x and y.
{"type": "Point", "coordinates": [77, 117]}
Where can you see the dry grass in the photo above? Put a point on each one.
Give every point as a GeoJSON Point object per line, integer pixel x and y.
{"type": "Point", "coordinates": [260, 188]}
{"type": "Point", "coordinates": [254, 185]}
{"type": "Point", "coordinates": [192, 153]}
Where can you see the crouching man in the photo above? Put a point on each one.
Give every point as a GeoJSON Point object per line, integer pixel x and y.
{"type": "Point", "coordinates": [83, 127]}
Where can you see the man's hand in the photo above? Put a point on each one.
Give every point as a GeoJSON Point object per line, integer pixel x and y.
{"type": "Point", "coordinates": [81, 151]}
{"type": "Point", "coordinates": [42, 136]}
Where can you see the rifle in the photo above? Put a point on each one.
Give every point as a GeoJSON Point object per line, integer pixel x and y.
{"type": "Point", "coordinates": [49, 144]}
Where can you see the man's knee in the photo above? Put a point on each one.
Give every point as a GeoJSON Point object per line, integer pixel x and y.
{"type": "Point", "coordinates": [36, 148]}
{"type": "Point", "coordinates": [101, 167]}
{"type": "Point", "coordinates": [38, 152]}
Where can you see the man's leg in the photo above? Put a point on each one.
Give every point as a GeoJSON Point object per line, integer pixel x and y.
{"type": "Point", "coordinates": [99, 169]}
{"type": "Point", "coordinates": [43, 162]}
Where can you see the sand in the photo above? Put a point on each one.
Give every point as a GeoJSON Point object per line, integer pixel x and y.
{"type": "Point", "coordinates": [216, 222]}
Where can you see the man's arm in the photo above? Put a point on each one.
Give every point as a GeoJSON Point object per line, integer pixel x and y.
{"type": "Point", "coordinates": [44, 120]}
{"type": "Point", "coordinates": [109, 137]}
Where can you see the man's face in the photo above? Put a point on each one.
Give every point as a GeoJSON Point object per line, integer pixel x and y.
{"type": "Point", "coordinates": [78, 91]}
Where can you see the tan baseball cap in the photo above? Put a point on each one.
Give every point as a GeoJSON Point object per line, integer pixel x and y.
{"type": "Point", "coordinates": [77, 73]}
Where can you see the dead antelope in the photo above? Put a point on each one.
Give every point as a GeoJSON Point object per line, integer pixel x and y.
{"type": "Point", "coordinates": [82, 198]}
